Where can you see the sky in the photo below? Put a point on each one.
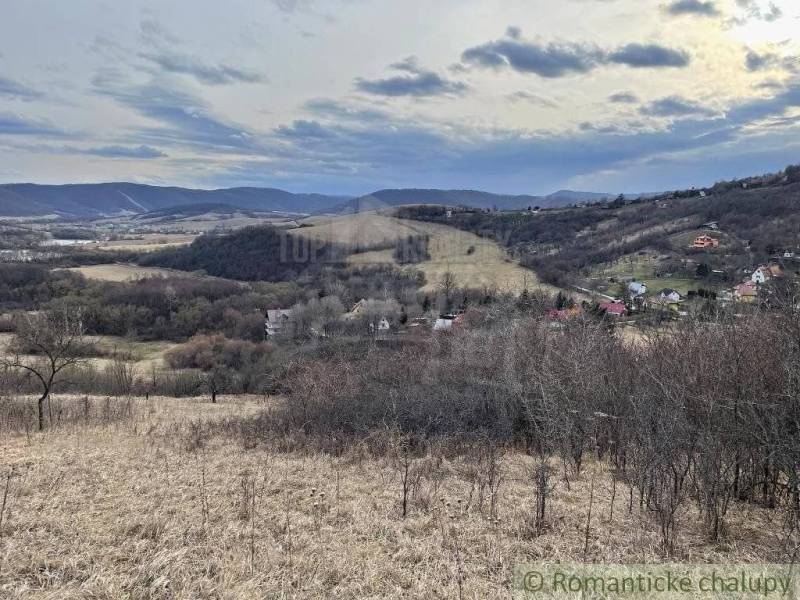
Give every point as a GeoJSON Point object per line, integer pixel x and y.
{"type": "Point", "coordinates": [351, 96]}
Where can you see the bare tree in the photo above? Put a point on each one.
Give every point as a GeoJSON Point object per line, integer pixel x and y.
{"type": "Point", "coordinates": [46, 344]}
{"type": "Point", "coordinates": [215, 380]}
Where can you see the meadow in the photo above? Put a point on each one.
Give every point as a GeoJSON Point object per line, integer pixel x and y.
{"type": "Point", "coordinates": [121, 272]}
{"type": "Point", "coordinates": [473, 260]}
{"type": "Point", "coordinates": [159, 498]}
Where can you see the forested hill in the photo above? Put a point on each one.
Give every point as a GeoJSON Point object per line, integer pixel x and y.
{"type": "Point", "coordinates": [261, 253]}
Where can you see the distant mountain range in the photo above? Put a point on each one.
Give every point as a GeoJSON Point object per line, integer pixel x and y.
{"type": "Point", "coordinates": [112, 199]}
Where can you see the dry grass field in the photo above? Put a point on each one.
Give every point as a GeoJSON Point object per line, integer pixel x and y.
{"type": "Point", "coordinates": [154, 505]}
{"type": "Point", "coordinates": [476, 262]}
{"type": "Point", "coordinates": [142, 356]}
{"type": "Point", "coordinates": [125, 272]}
{"type": "Point", "coordinates": [359, 230]}
{"type": "Point", "coordinates": [148, 242]}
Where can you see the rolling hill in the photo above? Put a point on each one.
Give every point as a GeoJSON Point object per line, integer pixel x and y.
{"type": "Point", "coordinates": [470, 198]}
{"type": "Point", "coordinates": [756, 220]}
{"type": "Point", "coordinates": [113, 199]}
{"type": "Point", "coordinates": [109, 199]}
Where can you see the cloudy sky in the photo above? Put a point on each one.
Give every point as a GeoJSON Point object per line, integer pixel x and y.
{"type": "Point", "coordinates": [348, 96]}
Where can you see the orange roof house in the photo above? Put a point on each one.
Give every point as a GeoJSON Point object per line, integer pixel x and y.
{"type": "Point", "coordinates": [705, 241]}
{"type": "Point", "coordinates": [746, 292]}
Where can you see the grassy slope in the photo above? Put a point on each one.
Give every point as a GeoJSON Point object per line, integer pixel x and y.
{"type": "Point", "coordinates": [487, 264]}
{"type": "Point", "coordinates": [130, 510]}
{"type": "Point", "coordinates": [124, 272]}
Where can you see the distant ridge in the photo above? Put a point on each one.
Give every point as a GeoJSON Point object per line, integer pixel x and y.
{"type": "Point", "coordinates": [470, 198]}
{"type": "Point", "coordinates": [113, 199]}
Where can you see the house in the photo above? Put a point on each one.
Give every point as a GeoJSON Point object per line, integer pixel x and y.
{"type": "Point", "coordinates": [381, 329]}
{"type": "Point", "coordinates": [765, 273]}
{"type": "Point", "coordinates": [705, 241]}
{"type": "Point", "coordinates": [280, 322]}
{"type": "Point", "coordinates": [711, 226]}
{"type": "Point", "coordinates": [760, 275]}
{"type": "Point", "coordinates": [637, 289]}
{"type": "Point", "coordinates": [664, 303]}
{"type": "Point", "coordinates": [444, 323]}
{"type": "Point", "coordinates": [669, 294]}
{"type": "Point", "coordinates": [746, 292]}
{"type": "Point", "coordinates": [613, 309]}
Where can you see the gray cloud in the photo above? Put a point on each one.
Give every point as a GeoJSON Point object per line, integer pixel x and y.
{"type": "Point", "coordinates": [138, 152]}
{"type": "Point", "coordinates": [561, 59]}
{"type": "Point", "coordinates": [15, 90]}
{"type": "Point", "coordinates": [757, 62]}
{"type": "Point", "coordinates": [649, 55]}
{"type": "Point", "coordinates": [415, 81]}
{"type": "Point", "coordinates": [183, 119]}
{"type": "Point", "coordinates": [302, 129]}
{"type": "Point", "coordinates": [11, 124]}
{"type": "Point", "coordinates": [675, 106]}
{"type": "Point", "coordinates": [754, 11]}
{"type": "Point", "coordinates": [339, 111]}
{"type": "Point", "coordinates": [164, 53]}
{"type": "Point", "coordinates": [551, 60]}
{"type": "Point", "coordinates": [692, 7]}
{"type": "Point", "coordinates": [531, 98]}
{"type": "Point", "coordinates": [183, 64]}
{"type": "Point", "coordinates": [769, 60]}
{"type": "Point", "coordinates": [623, 98]}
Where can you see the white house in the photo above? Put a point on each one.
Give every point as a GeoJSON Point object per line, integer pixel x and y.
{"type": "Point", "coordinates": [637, 289]}
{"type": "Point", "coordinates": [279, 322]}
{"type": "Point", "coordinates": [669, 294]}
{"type": "Point", "coordinates": [759, 275]}
{"type": "Point", "coordinates": [765, 273]}
{"type": "Point", "coordinates": [383, 326]}
{"type": "Point", "coordinates": [443, 324]}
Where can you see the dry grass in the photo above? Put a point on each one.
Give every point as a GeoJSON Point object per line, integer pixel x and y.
{"type": "Point", "coordinates": [148, 242]}
{"type": "Point", "coordinates": [125, 272]}
{"type": "Point", "coordinates": [363, 229]}
{"type": "Point", "coordinates": [144, 356]}
{"type": "Point", "coordinates": [476, 262]}
{"type": "Point", "coordinates": [151, 508]}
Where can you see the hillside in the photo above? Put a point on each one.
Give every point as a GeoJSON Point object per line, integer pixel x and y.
{"type": "Point", "coordinates": [475, 262]}
{"type": "Point", "coordinates": [261, 253]}
{"type": "Point", "coordinates": [586, 244]}
{"type": "Point", "coordinates": [106, 199]}
{"type": "Point", "coordinates": [469, 198]}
